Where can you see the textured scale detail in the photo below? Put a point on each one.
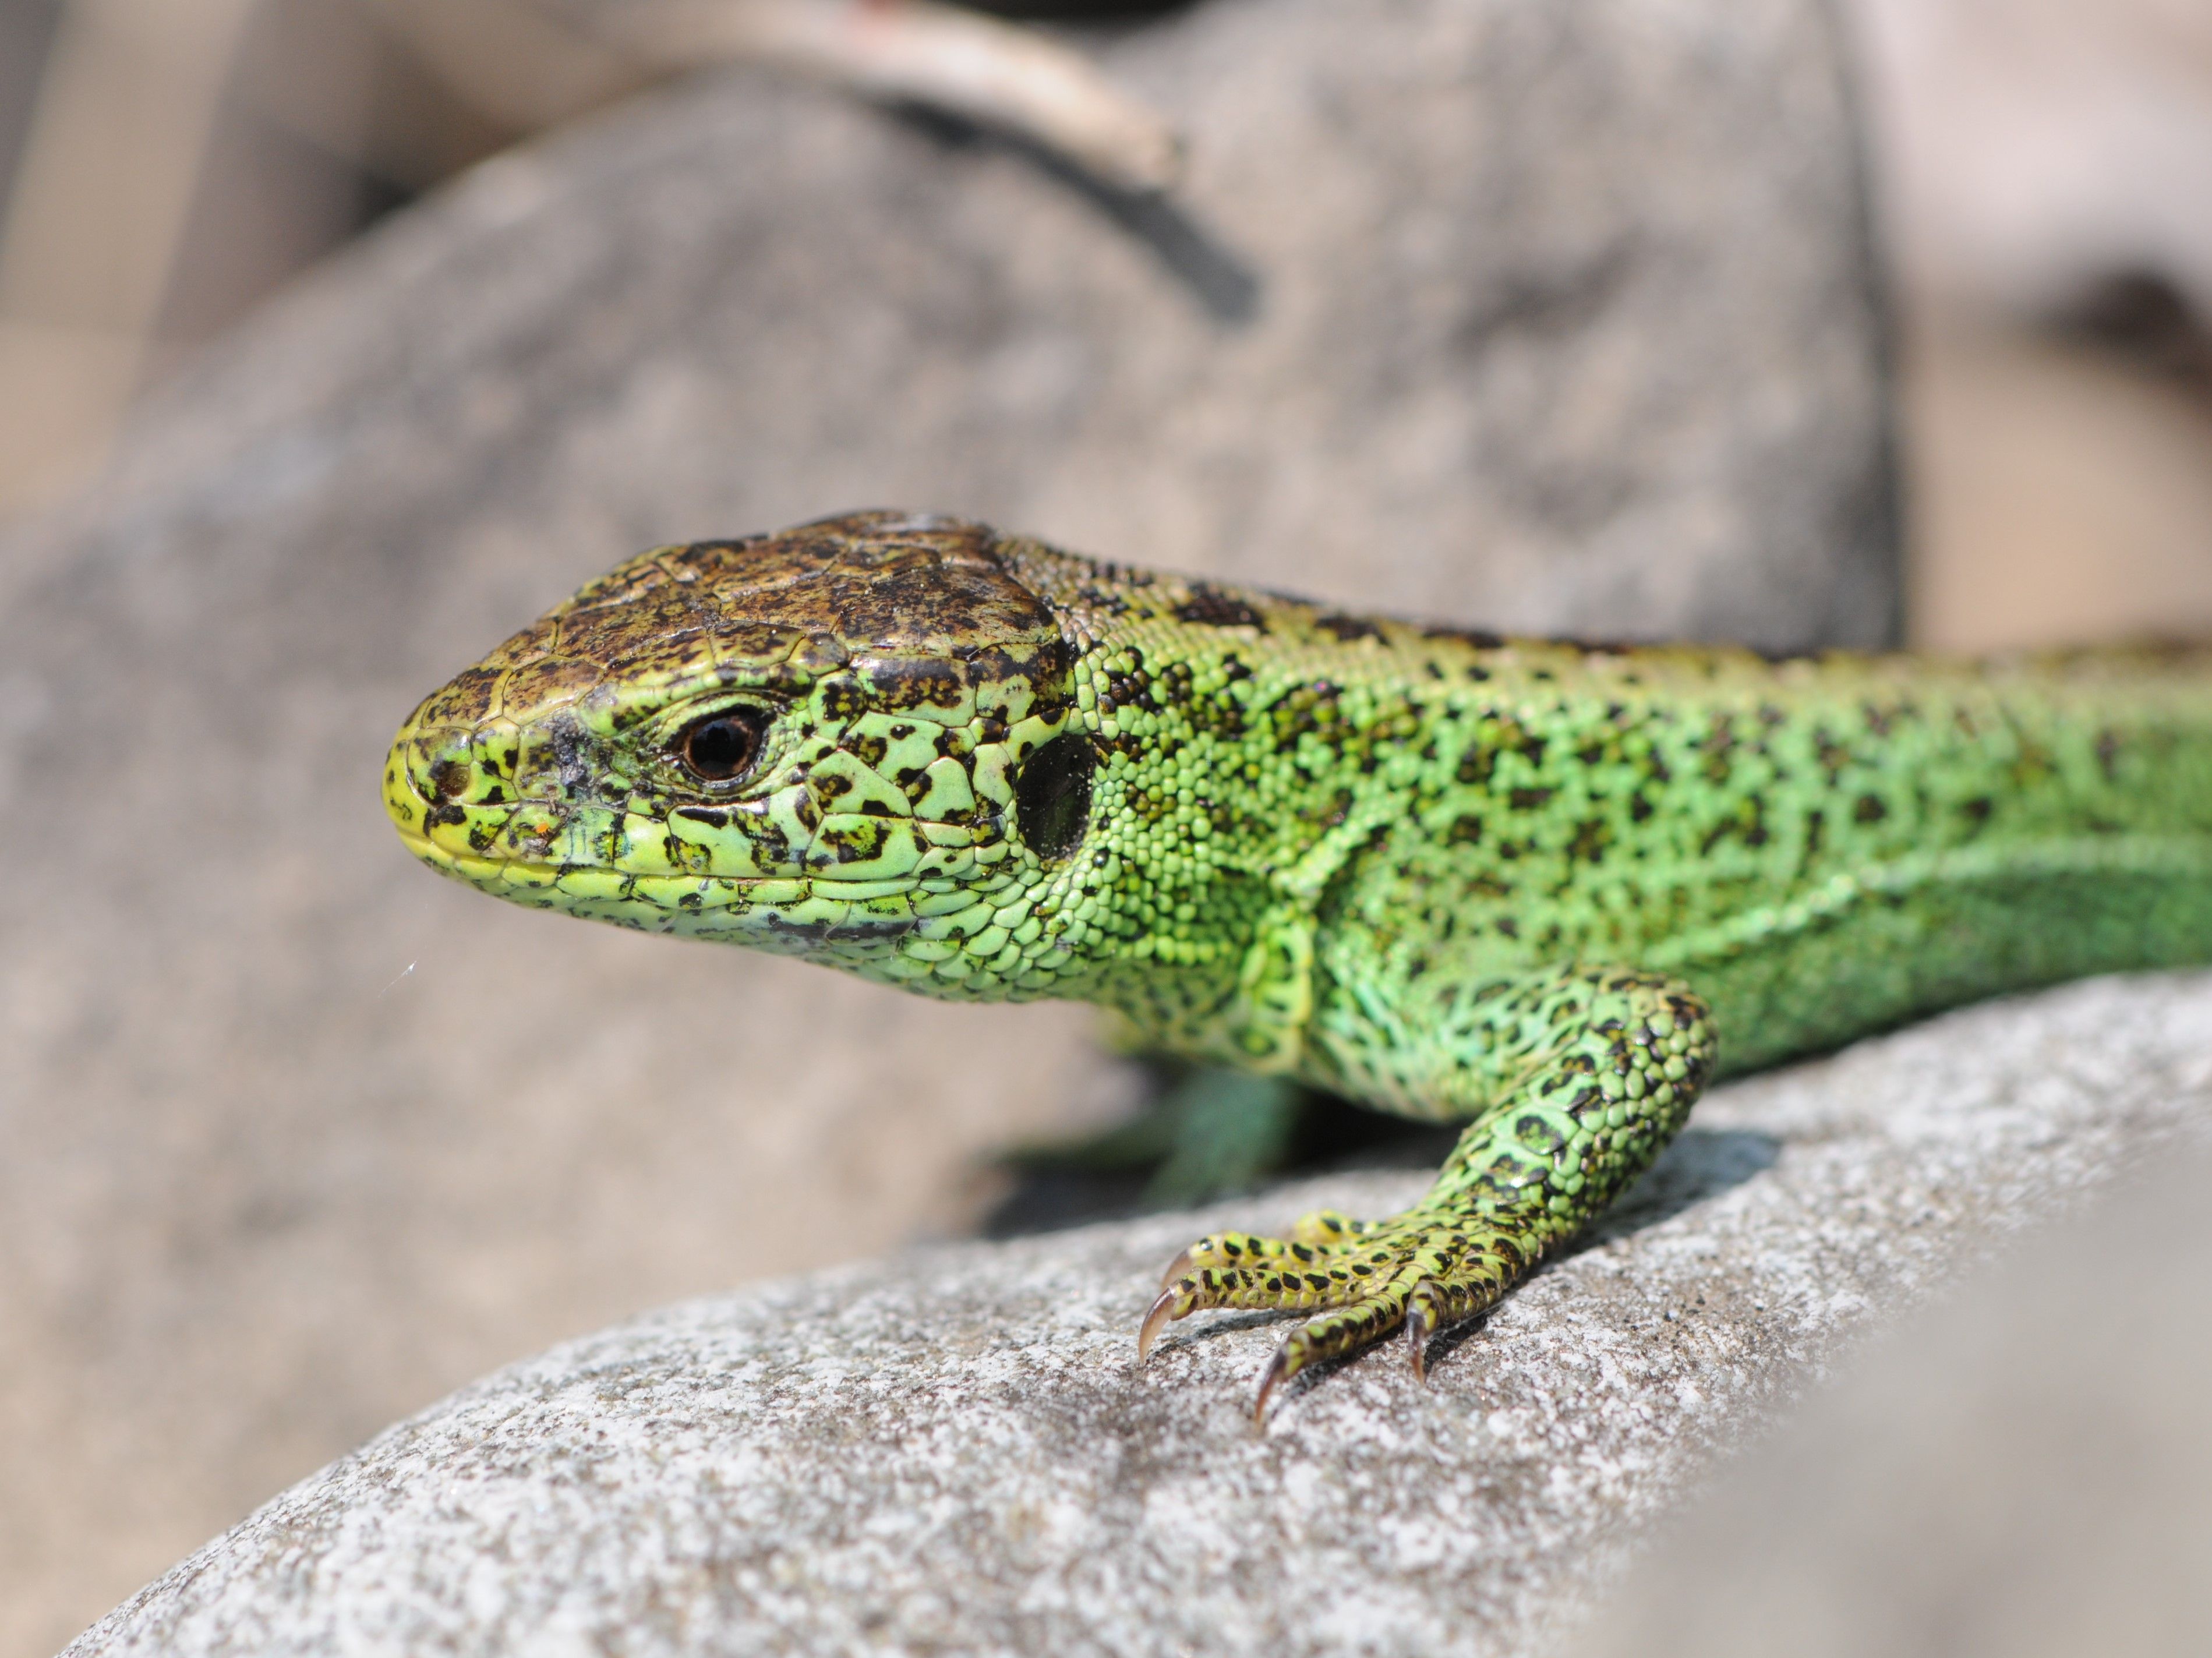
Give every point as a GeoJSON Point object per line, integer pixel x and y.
{"type": "Point", "coordinates": [1545, 888]}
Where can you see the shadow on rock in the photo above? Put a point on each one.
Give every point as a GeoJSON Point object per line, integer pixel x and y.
{"type": "Point", "coordinates": [1700, 1163]}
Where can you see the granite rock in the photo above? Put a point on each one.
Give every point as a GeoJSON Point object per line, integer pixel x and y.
{"type": "Point", "coordinates": [1547, 312]}
{"type": "Point", "coordinates": [952, 1451]}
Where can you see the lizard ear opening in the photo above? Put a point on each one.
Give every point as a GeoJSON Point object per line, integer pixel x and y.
{"type": "Point", "coordinates": [1052, 797]}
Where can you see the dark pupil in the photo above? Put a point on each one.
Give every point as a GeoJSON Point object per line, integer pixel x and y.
{"type": "Point", "coordinates": [1052, 796]}
{"type": "Point", "coordinates": [722, 747]}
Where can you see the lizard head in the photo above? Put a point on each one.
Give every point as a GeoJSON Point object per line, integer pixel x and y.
{"type": "Point", "coordinates": [850, 740]}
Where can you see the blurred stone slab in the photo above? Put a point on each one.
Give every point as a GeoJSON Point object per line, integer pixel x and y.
{"type": "Point", "coordinates": [952, 1451]}
{"type": "Point", "coordinates": [2020, 1473]}
{"type": "Point", "coordinates": [1542, 313]}
{"type": "Point", "coordinates": [1550, 311]}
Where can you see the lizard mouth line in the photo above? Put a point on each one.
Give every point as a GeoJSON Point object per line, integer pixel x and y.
{"type": "Point", "coordinates": [479, 870]}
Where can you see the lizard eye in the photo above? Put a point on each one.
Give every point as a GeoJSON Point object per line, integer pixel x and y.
{"type": "Point", "coordinates": [722, 747]}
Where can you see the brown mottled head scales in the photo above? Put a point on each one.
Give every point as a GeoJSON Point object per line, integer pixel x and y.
{"type": "Point", "coordinates": [872, 584]}
{"type": "Point", "coordinates": [876, 582]}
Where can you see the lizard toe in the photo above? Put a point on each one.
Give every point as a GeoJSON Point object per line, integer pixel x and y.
{"type": "Point", "coordinates": [1336, 1333]}
{"type": "Point", "coordinates": [1326, 1229]}
{"type": "Point", "coordinates": [1266, 1274]}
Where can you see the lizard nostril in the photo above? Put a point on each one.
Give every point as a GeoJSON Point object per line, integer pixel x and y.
{"type": "Point", "coordinates": [449, 779]}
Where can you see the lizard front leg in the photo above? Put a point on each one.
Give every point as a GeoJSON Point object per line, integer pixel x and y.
{"type": "Point", "coordinates": [1575, 1077]}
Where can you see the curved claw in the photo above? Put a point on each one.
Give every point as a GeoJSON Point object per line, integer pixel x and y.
{"type": "Point", "coordinates": [1420, 1325]}
{"type": "Point", "coordinates": [1176, 1268]}
{"type": "Point", "coordinates": [1162, 1314]}
{"type": "Point", "coordinates": [1279, 1369]}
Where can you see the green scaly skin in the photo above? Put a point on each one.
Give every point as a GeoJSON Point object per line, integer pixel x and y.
{"type": "Point", "coordinates": [1549, 888]}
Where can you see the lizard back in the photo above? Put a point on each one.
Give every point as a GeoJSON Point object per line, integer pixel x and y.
{"type": "Point", "coordinates": [1826, 845]}
{"type": "Point", "coordinates": [978, 767]}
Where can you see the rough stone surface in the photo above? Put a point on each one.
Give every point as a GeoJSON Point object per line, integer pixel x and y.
{"type": "Point", "coordinates": [952, 1451]}
{"type": "Point", "coordinates": [1537, 310]}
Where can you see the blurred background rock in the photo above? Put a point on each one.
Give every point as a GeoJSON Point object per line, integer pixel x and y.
{"type": "Point", "coordinates": [168, 164]}
{"type": "Point", "coordinates": [2044, 167]}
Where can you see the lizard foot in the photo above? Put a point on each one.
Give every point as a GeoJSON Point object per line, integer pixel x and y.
{"type": "Point", "coordinates": [1419, 1272]}
{"type": "Point", "coordinates": [1604, 1064]}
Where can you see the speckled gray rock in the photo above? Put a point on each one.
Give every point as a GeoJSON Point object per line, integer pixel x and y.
{"type": "Point", "coordinates": [951, 1452]}
{"type": "Point", "coordinates": [1543, 311]}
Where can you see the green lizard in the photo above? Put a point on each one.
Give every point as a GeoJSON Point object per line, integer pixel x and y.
{"type": "Point", "coordinates": [1549, 888]}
